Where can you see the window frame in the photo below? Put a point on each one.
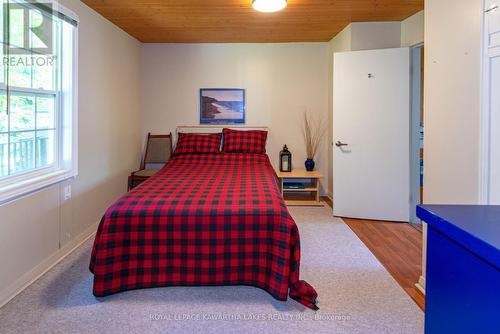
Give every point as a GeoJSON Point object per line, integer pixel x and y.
{"type": "Point", "coordinates": [27, 182]}
{"type": "Point", "coordinates": [8, 179]}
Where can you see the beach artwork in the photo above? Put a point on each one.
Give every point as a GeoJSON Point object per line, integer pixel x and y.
{"type": "Point", "coordinates": [222, 106]}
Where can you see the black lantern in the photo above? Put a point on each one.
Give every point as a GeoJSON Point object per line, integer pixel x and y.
{"type": "Point", "coordinates": [285, 160]}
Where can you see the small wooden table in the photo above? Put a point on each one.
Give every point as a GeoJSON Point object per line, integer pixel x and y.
{"type": "Point", "coordinates": [308, 195]}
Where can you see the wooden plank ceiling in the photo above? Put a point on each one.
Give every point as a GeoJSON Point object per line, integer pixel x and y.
{"type": "Point", "coordinates": [228, 21]}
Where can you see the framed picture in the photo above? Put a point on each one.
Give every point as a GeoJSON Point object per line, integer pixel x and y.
{"type": "Point", "coordinates": [222, 106]}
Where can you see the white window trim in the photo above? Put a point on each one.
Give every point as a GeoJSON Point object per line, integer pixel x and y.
{"type": "Point", "coordinates": [33, 184]}
{"type": "Point", "coordinates": [25, 184]}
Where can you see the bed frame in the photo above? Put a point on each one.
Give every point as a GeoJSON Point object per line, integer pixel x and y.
{"type": "Point", "coordinates": [215, 128]}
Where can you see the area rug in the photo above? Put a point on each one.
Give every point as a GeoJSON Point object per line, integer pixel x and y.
{"type": "Point", "coordinates": [356, 295]}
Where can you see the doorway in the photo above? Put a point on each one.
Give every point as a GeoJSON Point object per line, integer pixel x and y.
{"type": "Point", "coordinates": [416, 131]}
{"type": "Point", "coordinates": [378, 102]}
{"type": "Point", "coordinates": [371, 118]}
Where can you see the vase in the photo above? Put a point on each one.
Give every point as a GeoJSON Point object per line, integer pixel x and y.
{"type": "Point", "coordinates": [309, 165]}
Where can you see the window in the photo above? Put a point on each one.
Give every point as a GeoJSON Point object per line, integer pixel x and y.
{"type": "Point", "coordinates": [37, 96]}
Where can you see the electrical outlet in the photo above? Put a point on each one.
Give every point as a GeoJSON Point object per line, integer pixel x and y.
{"type": "Point", "coordinates": [68, 235]}
{"type": "Point", "coordinates": [67, 193]}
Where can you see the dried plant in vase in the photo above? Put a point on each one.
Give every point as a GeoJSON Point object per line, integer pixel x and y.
{"type": "Point", "coordinates": [314, 131]}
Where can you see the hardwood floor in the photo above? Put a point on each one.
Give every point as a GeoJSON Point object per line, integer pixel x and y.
{"type": "Point", "coordinates": [398, 246]}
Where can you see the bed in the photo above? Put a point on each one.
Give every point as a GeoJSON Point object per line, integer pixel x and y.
{"type": "Point", "coordinates": [202, 220]}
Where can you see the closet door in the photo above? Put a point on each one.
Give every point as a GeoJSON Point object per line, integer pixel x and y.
{"type": "Point", "coordinates": [492, 98]}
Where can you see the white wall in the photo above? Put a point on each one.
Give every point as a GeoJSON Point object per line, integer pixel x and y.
{"type": "Point", "coordinates": [340, 43]}
{"type": "Point", "coordinates": [452, 101]}
{"type": "Point", "coordinates": [451, 104]}
{"type": "Point", "coordinates": [34, 229]}
{"type": "Point", "coordinates": [412, 30]}
{"type": "Point", "coordinates": [375, 35]}
{"type": "Point", "coordinates": [281, 81]}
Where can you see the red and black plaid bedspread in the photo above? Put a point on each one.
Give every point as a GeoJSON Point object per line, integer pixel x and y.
{"type": "Point", "coordinates": [204, 219]}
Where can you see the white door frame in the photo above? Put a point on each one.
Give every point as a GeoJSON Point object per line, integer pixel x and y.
{"type": "Point", "coordinates": [416, 105]}
{"type": "Point", "coordinates": [486, 145]}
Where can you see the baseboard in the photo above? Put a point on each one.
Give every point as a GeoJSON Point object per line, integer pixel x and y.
{"type": "Point", "coordinates": [327, 200]}
{"type": "Point", "coordinates": [420, 285]}
{"type": "Point", "coordinates": [28, 278]}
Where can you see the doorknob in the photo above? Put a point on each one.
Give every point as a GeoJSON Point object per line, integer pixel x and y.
{"type": "Point", "coordinates": [340, 144]}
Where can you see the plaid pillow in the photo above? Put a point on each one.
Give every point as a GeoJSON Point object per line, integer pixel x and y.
{"type": "Point", "coordinates": [198, 143]}
{"type": "Point", "coordinates": [250, 141]}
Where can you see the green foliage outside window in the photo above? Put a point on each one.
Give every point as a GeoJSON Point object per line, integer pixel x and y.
{"type": "Point", "coordinates": [28, 117]}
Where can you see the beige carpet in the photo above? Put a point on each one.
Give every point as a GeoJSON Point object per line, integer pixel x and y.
{"type": "Point", "coordinates": [356, 295]}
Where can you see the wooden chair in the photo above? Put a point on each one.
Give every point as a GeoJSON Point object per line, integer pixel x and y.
{"type": "Point", "coordinates": [158, 152]}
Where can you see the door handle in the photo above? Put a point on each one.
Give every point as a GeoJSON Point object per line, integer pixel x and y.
{"type": "Point", "coordinates": [340, 144]}
{"type": "Point", "coordinates": [491, 9]}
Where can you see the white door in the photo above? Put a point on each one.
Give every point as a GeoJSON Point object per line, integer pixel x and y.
{"type": "Point", "coordinates": [371, 131]}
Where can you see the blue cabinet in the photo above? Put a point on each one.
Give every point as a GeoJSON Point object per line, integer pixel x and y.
{"type": "Point", "coordinates": [463, 268]}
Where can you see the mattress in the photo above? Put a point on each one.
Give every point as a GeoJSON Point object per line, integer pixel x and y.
{"type": "Point", "coordinates": [202, 220]}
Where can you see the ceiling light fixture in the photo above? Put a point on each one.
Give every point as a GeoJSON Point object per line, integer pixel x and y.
{"type": "Point", "coordinates": [269, 6]}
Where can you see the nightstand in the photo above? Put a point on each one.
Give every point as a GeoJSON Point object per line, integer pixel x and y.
{"type": "Point", "coordinates": [300, 187]}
